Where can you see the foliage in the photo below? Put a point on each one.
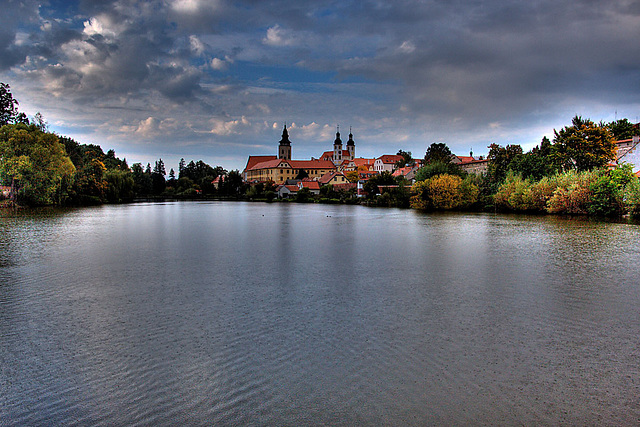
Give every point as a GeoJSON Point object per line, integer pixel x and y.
{"type": "Point", "coordinates": [8, 105]}
{"type": "Point", "coordinates": [35, 164]}
{"type": "Point", "coordinates": [583, 145]}
{"type": "Point", "coordinates": [304, 195]}
{"type": "Point", "coordinates": [573, 193]}
{"type": "Point", "coordinates": [515, 194]}
{"type": "Point", "coordinates": [444, 192]}
{"type": "Point", "coordinates": [438, 152]}
{"type": "Point", "coordinates": [120, 186]}
{"type": "Point", "coordinates": [632, 197]}
{"type": "Point", "coordinates": [371, 186]}
{"type": "Point", "coordinates": [608, 192]}
{"type": "Point", "coordinates": [535, 164]}
{"type": "Point", "coordinates": [352, 176]}
{"type": "Point", "coordinates": [499, 160]}
{"type": "Point", "coordinates": [622, 129]}
{"type": "Point", "coordinates": [435, 168]}
{"type": "Point", "coordinates": [407, 159]}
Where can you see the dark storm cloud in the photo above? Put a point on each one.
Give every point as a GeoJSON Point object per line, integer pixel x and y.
{"type": "Point", "coordinates": [240, 66]}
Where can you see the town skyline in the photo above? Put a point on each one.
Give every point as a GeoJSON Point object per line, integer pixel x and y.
{"type": "Point", "coordinates": [217, 80]}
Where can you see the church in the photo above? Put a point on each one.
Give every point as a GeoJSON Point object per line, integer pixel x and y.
{"type": "Point", "coordinates": [280, 168]}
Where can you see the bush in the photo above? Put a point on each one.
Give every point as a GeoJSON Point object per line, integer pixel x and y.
{"type": "Point", "coordinates": [573, 194]}
{"type": "Point", "coordinates": [444, 192]}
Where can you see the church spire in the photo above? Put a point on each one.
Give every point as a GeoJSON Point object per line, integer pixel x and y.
{"type": "Point", "coordinates": [284, 149]}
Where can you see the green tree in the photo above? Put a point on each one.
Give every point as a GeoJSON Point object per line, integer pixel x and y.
{"type": "Point", "coordinates": [8, 105]}
{"type": "Point", "coordinates": [622, 129]}
{"type": "Point", "coordinates": [141, 180]}
{"type": "Point", "coordinates": [302, 174]}
{"type": "Point", "coordinates": [407, 159]}
{"type": "Point", "coordinates": [35, 164]}
{"type": "Point", "coordinates": [435, 168]}
{"type": "Point", "coordinates": [500, 159]}
{"type": "Point", "coordinates": [371, 186]}
{"type": "Point", "coordinates": [120, 186]}
{"type": "Point", "coordinates": [583, 145]}
{"type": "Point", "coordinates": [233, 185]}
{"type": "Point", "coordinates": [438, 152]}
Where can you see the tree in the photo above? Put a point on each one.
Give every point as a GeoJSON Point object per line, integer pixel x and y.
{"type": "Point", "coordinates": [622, 129]}
{"type": "Point", "coordinates": [407, 160]}
{"type": "Point", "coordinates": [583, 145]}
{"type": "Point", "coordinates": [233, 183]}
{"type": "Point", "coordinates": [438, 168]}
{"type": "Point", "coordinates": [40, 122]}
{"type": "Point", "coordinates": [371, 186]}
{"type": "Point", "coordinates": [141, 179]}
{"type": "Point", "coordinates": [499, 160]}
{"type": "Point", "coordinates": [302, 174]}
{"type": "Point", "coordinates": [535, 164]}
{"type": "Point", "coordinates": [35, 164]}
{"type": "Point", "coordinates": [181, 166]}
{"type": "Point", "coordinates": [438, 152]}
{"type": "Point", "coordinates": [8, 105]}
{"type": "Point", "coordinates": [352, 176]}
{"type": "Point", "coordinates": [444, 192]}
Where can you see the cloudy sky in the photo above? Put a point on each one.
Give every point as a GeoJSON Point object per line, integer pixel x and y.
{"type": "Point", "coordinates": [216, 79]}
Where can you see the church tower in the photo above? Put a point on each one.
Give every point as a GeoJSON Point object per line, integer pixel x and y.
{"type": "Point", "coordinates": [284, 149]}
{"type": "Point", "coordinates": [337, 148]}
{"type": "Point", "coordinates": [351, 146]}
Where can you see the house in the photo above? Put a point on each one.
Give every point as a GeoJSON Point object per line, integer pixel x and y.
{"type": "Point", "coordinates": [254, 160]}
{"type": "Point", "coordinates": [279, 170]}
{"type": "Point", "coordinates": [627, 151]}
{"type": "Point", "coordinates": [470, 164]}
{"type": "Point", "coordinates": [333, 178]}
{"type": "Point", "coordinates": [286, 191]}
{"type": "Point", "coordinates": [217, 182]}
{"type": "Point", "coordinates": [386, 162]}
{"type": "Point", "coordinates": [361, 163]}
{"type": "Point", "coordinates": [313, 186]}
{"type": "Point", "coordinates": [475, 166]}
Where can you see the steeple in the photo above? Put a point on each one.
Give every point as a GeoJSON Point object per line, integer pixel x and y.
{"type": "Point", "coordinates": [351, 146]}
{"type": "Point", "coordinates": [284, 149]}
{"type": "Point", "coordinates": [337, 148]}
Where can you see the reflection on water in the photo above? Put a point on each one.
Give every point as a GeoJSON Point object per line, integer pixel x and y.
{"type": "Point", "coordinates": [248, 313]}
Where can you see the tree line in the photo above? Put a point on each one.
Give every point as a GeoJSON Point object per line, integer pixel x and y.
{"type": "Point", "coordinates": [573, 174]}
{"type": "Point", "coordinates": [42, 168]}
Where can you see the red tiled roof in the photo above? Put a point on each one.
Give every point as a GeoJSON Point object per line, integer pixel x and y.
{"type": "Point", "coordinates": [312, 164]}
{"type": "Point", "coordinates": [402, 171]}
{"type": "Point", "coordinates": [329, 154]}
{"type": "Point", "coordinates": [254, 160]}
{"type": "Point", "coordinates": [390, 158]}
{"type": "Point", "coordinates": [465, 159]}
{"type": "Point", "coordinates": [329, 176]}
{"type": "Point", "coordinates": [311, 185]}
{"type": "Point", "coordinates": [362, 161]}
{"type": "Point", "coordinates": [296, 164]}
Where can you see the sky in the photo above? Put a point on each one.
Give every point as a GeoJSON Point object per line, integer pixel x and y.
{"type": "Point", "coordinates": [216, 80]}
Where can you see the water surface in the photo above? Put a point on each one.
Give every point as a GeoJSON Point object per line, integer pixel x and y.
{"type": "Point", "coordinates": [285, 314]}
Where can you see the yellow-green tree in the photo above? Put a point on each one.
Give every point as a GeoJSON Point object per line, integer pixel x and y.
{"type": "Point", "coordinates": [583, 145]}
{"type": "Point", "coordinates": [34, 163]}
{"type": "Point", "coordinates": [444, 192]}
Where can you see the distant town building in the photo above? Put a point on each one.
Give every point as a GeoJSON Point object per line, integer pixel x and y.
{"type": "Point", "coordinates": [386, 162]}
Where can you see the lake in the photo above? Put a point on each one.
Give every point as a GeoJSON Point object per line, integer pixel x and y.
{"type": "Point", "coordinates": [223, 313]}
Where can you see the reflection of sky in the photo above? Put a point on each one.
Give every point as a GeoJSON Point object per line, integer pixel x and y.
{"type": "Point", "coordinates": [240, 313]}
